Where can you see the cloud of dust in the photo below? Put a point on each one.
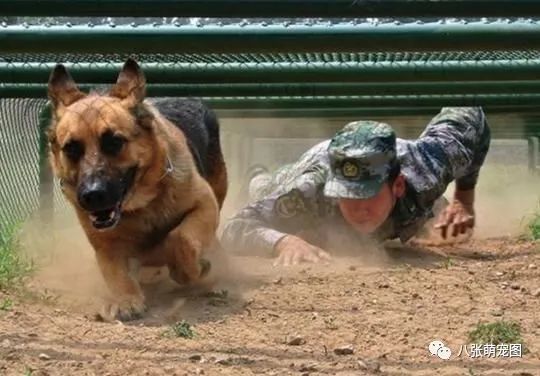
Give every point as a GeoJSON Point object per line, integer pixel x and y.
{"type": "Point", "coordinates": [506, 198]}
{"type": "Point", "coordinates": [65, 265]}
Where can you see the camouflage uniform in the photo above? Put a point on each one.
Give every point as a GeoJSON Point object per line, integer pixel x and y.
{"type": "Point", "coordinates": [301, 198]}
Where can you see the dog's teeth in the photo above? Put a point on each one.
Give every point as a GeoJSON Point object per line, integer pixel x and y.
{"type": "Point", "coordinates": [93, 218]}
{"type": "Point", "coordinates": [111, 216]}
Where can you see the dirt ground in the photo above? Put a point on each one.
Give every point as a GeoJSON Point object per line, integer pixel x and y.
{"type": "Point", "coordinates": [277, 321]}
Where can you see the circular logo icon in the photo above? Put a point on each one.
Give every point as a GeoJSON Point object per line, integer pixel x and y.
{"type": "Point", "coordinates": [349, 169]}
{"type": "Point", "coordinates": [444, 353]}
{"type": "Point", "coordinates": [434, 346]}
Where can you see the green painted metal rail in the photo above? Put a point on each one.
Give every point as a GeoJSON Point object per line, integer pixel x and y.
{"type": "Point", "coordinates": [369, 112]}
{"type": "Point", "coordinates": [514, 101]}
{"type": "Point", "coordinates": [8, 90]}
{"type": "Point", "coordinates": [502, 70]}
{"type": "Point", "coordinates": [254, 38]}
{"type": "Point", "coordinates": [279, 57]}
{"type": "Point", "coordinates": [254, 103]}
{"type": "Point", "coordinates": [272, 8]}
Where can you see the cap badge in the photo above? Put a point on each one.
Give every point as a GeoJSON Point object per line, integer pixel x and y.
{"type": "Point", "coordinates": [349, 169]}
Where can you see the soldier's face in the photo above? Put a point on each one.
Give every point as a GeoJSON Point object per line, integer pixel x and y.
{"type": "Point", "coordinates": [367, 215]}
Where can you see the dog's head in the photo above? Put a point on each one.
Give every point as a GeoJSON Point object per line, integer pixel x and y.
{"type": "Point", "coordinates": [99, 143]}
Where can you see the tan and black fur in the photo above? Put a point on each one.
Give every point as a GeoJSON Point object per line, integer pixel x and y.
{"type": "Point", "coordinates": [146, 179]}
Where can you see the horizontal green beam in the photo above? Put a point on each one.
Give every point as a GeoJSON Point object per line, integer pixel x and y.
{"type": "Point", "coordinates": [501, 70]}
{"type": "Point", "coordinates": [512, 101]}
{"type": "Point", "coordinates": [363, 112]}
{"type": "Point", "coordinates": [8, 90]}
{"type": "Point", "coordinates": [271, 8]}
{"type": "Point", "coordinates": [375, 101]}
{"type": "Point", "coordinates": [342, 37]}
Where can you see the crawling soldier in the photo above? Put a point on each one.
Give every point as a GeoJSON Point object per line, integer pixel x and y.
{"type": "Point", "coordinates": [366, 182]}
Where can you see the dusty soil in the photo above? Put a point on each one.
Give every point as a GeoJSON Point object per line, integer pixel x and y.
{"type": "Point", "coordinates": [388, 310]}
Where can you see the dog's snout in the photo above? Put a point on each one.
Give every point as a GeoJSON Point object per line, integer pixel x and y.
{"type": "Point", "coordinates": [93, 198]}
{"type": "Point", "coordinates": [97, 194]}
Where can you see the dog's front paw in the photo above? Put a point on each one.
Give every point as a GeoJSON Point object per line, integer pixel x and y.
{"type": "Point", "coordinates": [126, 309]}
{"type": "Point", "coordinates": [190, 274]}
{"type": "Point", "coordinates": [184, 262]}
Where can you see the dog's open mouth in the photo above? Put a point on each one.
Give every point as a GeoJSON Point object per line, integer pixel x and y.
{"type": "Point", "coordinates": [105, 210]}
{"type": "Point", "coordinates": [108, 218]}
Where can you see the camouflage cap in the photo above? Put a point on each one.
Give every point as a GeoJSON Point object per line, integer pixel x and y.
{"type": "Point", "coordinates": [361, 156]}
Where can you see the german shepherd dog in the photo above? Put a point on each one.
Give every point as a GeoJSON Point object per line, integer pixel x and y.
{"type": "Point", "coordinates": [146, 178]}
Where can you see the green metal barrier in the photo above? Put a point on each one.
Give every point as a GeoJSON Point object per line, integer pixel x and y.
{"type": "Point", "coordinates": [269, 72]}
{"type": "Point", "coordinates": [10, 90]}
{"type": "Point", "coordinates": [506, 130]}
{"type": "Point", "coordinates": [273, 37]}
{"type": "Point", "coordinates": [514, 100]}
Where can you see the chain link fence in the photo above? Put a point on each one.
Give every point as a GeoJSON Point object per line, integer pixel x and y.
{"type": "Point", "coordinates": [20, 164]}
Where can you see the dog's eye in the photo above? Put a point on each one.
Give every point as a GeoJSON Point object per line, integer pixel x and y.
{"type": "Point", "coordinates": [74, 150]}
{"type": "Point", "coordinates": [112, 144]}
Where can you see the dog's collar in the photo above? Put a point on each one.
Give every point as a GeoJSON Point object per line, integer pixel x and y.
{"type": "Point", "coordinates": [168, 168]}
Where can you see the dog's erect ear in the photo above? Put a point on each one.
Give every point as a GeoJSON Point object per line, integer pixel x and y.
{"type": "Point", "coordinates": [62, 90]}
{"type": "Point", "coordinates": [131, 84]}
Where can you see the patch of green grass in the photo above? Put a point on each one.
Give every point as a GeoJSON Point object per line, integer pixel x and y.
{"type": "Point", "coordinates": [222, 294]}
{"type": "Point", "coordinates": [500, 332]}
{"type": "Point", "coordinates": [6, 304]}
{"type": "Point", "coordinates": [448, 262]}
{"type": "Point", "coordinates": [181, 329]}
{"type": "Point", "coordinates": [13, 266]}
{"type": "Point", "coordinates": [534, 226]}
{"type": "Point", "coordinates": [330, 323]}
{"type": "Point", "coordinates": [218, 298]}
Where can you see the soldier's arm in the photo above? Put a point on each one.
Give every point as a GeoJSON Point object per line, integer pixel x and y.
{"type": "Point", "coordinates": [253, 229]}
{"type": "Point", "coordinates": [261, 225]}
{"type": "Point", "coordinates": [463, 135]}
{"type": "Point", "coordinates": [458, 138]}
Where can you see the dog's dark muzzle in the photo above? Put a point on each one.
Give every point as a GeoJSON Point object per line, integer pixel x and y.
{"type": "Point", "coordinates": [102, 196]}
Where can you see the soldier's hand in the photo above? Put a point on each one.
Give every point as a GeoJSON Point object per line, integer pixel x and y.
{"type": "Point", "coordinates": [458, 215]}
{"type": "Point", "coordinates": [293, 250]}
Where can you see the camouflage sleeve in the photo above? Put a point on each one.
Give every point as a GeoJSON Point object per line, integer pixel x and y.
{"type": "Point", "coordinates": [260, 225]}
{"type": "Point", "coordinates": [250, 230]}
{"type": "Point", "coordinates": [463, 134]}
